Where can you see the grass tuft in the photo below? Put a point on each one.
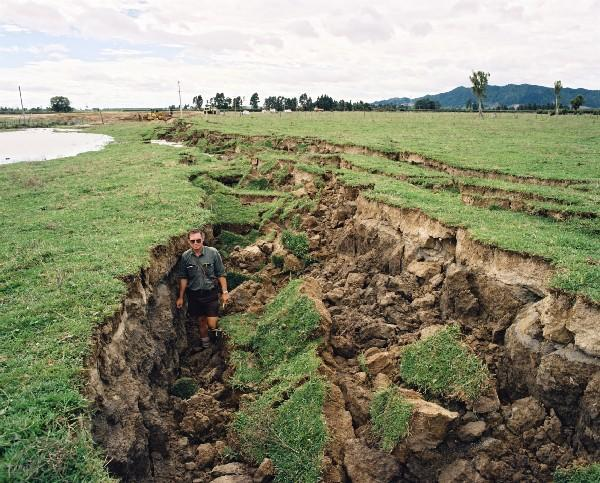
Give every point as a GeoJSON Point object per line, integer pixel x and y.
{"type": "Point", "coordinates": [584, 474]}
{"type": "Point", "coordinates": [296, 243]}
{"type": "Point", "coordinates": [184, 388]}
{"type": "Point", "coordinates": [275, 358]}
{"type": "Point", "coordinates": [443, 366]}
{"type": "Point", "coordinates": [390, 416]}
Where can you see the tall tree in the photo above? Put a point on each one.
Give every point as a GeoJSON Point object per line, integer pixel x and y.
{"type": "Point", "coordinates": [254, 100]}
{"type": "Point", "coordinates": [220, 100]}
{"type": "Point", "coordinates": [197, 101]}
{"type": "Point", "coordinates": [325, 102]}
{"type": "Point", "coordinates": [557, 89]}
{"type": "Point", "coordinates": [577, 102]}
{"type": "Point", "coordinates": [237, 103]}
{"type": "Point", "coordinates": [291, 103]}
{"type": "Point", "coordinates": [479, 83]}
{"type": "Point", "coordinates": [60, 104]}
{"type": "Point", "coordinates": [303, 101]}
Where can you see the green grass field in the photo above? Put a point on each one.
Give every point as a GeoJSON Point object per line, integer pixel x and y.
{"type": "Point", "coordinates": [563, 147]}
{"type": "Point", "coordinates": [72, 228]}
{"type": "Point", "coordinates": [557, 223]}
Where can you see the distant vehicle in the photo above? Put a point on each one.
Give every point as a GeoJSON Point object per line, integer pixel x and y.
{"type": "Point", "coordinates": [210, 110]}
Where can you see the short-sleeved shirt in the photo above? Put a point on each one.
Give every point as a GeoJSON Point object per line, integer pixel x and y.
{"type": "Point", "coordinates": [201, 271]}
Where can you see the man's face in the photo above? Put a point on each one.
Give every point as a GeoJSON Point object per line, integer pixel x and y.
{"type": "Point", "coordinates": [196, 240]}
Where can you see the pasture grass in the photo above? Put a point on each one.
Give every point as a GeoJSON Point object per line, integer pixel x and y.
{"type": "Point", "coordinates": [529, 145]}
{"type": "Point", "coordinates": [72, 229]}
{"type": "Point", "coordinates": [442, 365]}
{"type": "Point", "coordinates": [275, 359]}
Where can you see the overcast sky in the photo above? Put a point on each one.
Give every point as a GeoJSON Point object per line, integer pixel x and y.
{"type": "Point", "coordinates": [132, 53]}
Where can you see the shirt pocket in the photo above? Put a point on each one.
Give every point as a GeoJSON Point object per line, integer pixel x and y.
{"type": "Point", "coordinates": [191, 270]}
{"type": "Point", "coordinates": [209, 270]}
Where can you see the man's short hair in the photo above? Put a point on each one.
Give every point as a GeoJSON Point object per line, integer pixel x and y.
{"type": "Point", "coordinates": [196, 230]}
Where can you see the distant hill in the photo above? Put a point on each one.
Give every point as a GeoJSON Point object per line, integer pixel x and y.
{"type": "Point", "coordinates": [508, 95]}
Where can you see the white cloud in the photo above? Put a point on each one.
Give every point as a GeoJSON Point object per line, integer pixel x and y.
{"type": "Point", "coordinates": [12, 28]}
{"type": "Point", "coordinates": [350, 49]}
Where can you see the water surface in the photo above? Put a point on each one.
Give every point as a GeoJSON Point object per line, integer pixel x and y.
{"type": "Point", "coordinates": [43, 144]}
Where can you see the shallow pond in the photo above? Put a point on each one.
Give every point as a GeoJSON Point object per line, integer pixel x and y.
{"type": "Point", "coordinates": [44, 144]}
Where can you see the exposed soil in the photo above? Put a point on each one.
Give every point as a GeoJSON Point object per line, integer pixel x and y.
{"type": "Point", "coordinates": [388, 276]}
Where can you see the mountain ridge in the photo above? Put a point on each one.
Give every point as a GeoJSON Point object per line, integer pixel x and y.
{"type": "Point", "coordinates": [507, 95]}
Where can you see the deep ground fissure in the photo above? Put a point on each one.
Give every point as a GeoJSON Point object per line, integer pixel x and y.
{"type": "Point", "coordinates": [388, 276]}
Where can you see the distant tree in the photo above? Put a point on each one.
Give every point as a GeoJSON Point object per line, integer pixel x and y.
{"type": "Point", "coordinates": [197, 101]}
{"type": "Point", "coordinates": [303, 101]}
{"type": "Point", "coordinates": [469, 105]}
{"type": "Point", "coordinates": [60, 104]}
{"type": "Point", "coordinates": [325, 102]}
{"type": "Point", "coordinates": [281, 102]}
{"type": "Point", "coordinates": [426, 103]}
{"type": "Point", "coordinates": [557, 89]}
{"type": "Point", "coordinates": [270, 102]}
{"type": "Point", "coordinates": [254, 100]}
{"type": "Point", "coordinates": [237, 103]}
{"type": "Point", "coordinates": [577, 102]}
{"type": "Point", "coordinates": [222, 102]}
{"type": "Point", "coordinates": [479, 81]}
{"type": "Point", "coordinates": [290, 103]}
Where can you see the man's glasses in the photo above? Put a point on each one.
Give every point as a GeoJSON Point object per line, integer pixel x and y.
{"type": "Point", "coordinates": [197, 240]}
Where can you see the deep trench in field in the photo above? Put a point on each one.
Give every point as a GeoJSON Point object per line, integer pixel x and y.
{"type": "Point", "coordinates": [386, 275]}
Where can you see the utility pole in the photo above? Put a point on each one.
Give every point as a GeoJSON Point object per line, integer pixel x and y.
{"type": "Point", "coordinates": [22, 108]}
{"type": "Point", "coordinates": [180, 111]}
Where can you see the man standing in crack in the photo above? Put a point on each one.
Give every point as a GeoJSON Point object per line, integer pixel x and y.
{"type": "Point", "coordinates": [202, 275]}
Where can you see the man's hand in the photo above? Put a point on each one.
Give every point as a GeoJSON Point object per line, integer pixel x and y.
{"type": "Point", "coordinates": [179, 302]}
{"type": "Point", "coordinates": [225, 298]}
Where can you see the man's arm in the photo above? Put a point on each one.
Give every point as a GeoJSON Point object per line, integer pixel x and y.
{"type": "Point", "coordinates": [182, 286]}
{"type": "Point", "coordinates": [224, 292]}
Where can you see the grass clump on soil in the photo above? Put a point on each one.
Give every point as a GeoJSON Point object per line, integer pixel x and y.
{"type": "Point", "coordinates": [584, 474]}
{"type": "Point", "coordinates": [275, 358]}
{"type": "Point", "coordinates": [296, 243]}
{"type": "Point", "coordinates": [184, 387]}
{"type": "Point", "coordinates": [390, 417]}
{"type": "Point", "coordinates": [228, 240]}
{"type": "Point", "coordinates": [260, 184]}
{"type": "Point", "coordinates": [235, 279]}
{"type": "Point", "coordinates": [73, 229]}
{"type": "Point", "coordinates": [278, 261]}
{"type": "Point", "coordinates": [443, 366]}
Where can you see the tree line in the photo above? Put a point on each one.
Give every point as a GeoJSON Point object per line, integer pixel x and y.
{"type": "Point", "coordinates": [281, 103]}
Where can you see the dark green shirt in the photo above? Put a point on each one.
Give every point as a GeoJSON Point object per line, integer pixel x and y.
{"type": "Point", "coordinates": [201, 271]}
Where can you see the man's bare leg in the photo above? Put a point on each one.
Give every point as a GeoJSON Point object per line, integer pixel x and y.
{"type": "Point", "coordinates": [212, 322]}
{"type": "Point", "coordinates": [203, 321]}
